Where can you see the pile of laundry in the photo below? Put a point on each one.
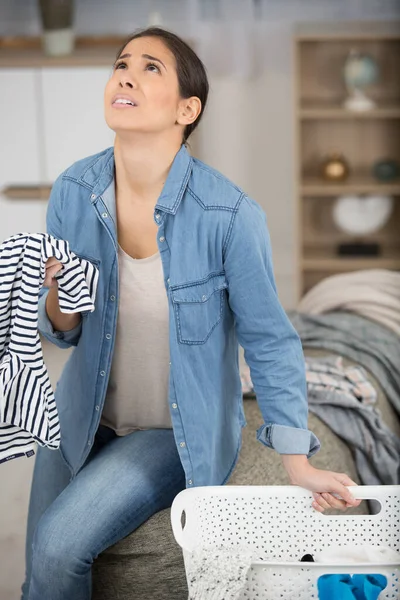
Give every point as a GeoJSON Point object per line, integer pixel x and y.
{"type": "Point", "coordinates": [355, 316]}
{"type": "Point", "coordinates": [370, 293]}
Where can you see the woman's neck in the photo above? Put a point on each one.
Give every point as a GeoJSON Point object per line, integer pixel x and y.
{"type": "Point", "coordinates": [142, 166]}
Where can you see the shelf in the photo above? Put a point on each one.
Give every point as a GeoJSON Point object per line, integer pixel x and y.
{"type": "Point", "coordinates": [351, 30]}
{"type": "Point", "coordinates": [335, 263]}
{"type": "Point", "coordinates": [89, 51]}
{"type": "Point", "coordinates": [329, 111]}
{"type": "Point", "coordinates": [23, 52]}
{"type": "Point", "coordinates": [27, 192]}
{"type": "Point", "coordinates": [316, 187]}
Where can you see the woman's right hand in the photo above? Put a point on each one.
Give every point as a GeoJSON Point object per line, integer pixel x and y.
{"type": "Point", "coordinates": [53, 266]}
{"type": "Point", "coordinates": [60, 321]}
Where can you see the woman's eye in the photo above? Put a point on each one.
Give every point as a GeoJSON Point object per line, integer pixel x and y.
{"type": "Point", "coordinates": [152, 67]}
{"type": "Point", "coordinates": [120, 64]}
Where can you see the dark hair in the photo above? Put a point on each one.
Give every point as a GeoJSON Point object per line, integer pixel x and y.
{"type": "Point", "coordinates": [192, 76]}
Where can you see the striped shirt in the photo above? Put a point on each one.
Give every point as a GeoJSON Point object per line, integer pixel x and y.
{"type": "Point", "coordinates": [28, 412]}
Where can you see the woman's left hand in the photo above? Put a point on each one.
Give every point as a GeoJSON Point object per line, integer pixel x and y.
{"type": "Point", "coordinates": [323, 484]}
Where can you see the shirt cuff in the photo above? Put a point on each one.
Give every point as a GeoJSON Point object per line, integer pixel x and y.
{"type": "Point", "coordinates": [288, 440]}
{"type": "Point", "coordinates": [63, 339]}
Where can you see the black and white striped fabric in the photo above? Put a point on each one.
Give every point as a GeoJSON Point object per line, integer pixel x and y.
{"type": "Point", "coordinates": [28, 412]}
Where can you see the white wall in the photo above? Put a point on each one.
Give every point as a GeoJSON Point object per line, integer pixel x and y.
{"type": "Point", "coordinates": [122, 16]}
{"type": "Point", "coordinates": [254, 146]}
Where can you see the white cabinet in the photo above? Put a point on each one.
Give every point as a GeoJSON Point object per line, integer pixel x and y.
{"type": "Point", "coordinates": [49, 118]}
{"type": "Point", "coordinates": [73, 114]}
{"type": "Point", "coordinates": [21, 216]}
{"type": "Point", "coordinates": [20, 157]}
{"type": "Point", "coordinates": [20, 150]}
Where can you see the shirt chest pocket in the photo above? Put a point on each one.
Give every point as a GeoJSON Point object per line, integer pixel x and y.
{"type": "Point", "coordinates": [198, 308]}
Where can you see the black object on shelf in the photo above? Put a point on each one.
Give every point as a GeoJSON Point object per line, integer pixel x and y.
{"type": "Point", "coordinates": [358, 249]}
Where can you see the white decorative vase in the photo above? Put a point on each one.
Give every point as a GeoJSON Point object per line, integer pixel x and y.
{"type": "Point", "coordinates": [359, 102]}
{"type": "Point", "coordinates": [58, 42]}
{"type": "Point", "coordinates": [57, 17]}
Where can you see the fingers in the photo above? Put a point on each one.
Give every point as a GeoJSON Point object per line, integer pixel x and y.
{"type": "Point", "coordinates": [338, 495]}
{"type": "Point", "coordinates": [345, 479]}
{"type": "Point", "coordinates": [52, 261]}
{"type": "Point", "coordinates": [326, 501]}
{"type": "Point", "coordinates": [347, 496]}
{"type": "Point", "coordinates": [319, 503]}
{"type": "Point", "coordinates": [317, 507]}
{"type": "Point", "coordinates": [341, 488]}
{"type": "Point", "coordinates": [51, 271]}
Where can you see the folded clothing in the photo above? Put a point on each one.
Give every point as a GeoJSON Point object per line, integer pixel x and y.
{"type": "Point", "coordinates": [347, 587]}
{"type": "Point", "coordinates": [372, 293]}
{"type": "Point", "coordinates": [329, 374]}
{"type": "Point", "coordinates": [350, 554]}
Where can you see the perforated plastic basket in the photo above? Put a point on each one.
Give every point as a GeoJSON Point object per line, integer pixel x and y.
{"type": "Point", "coordinates": [279, 525]}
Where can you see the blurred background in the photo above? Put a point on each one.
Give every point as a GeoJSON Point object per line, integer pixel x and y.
{"type": "Point", "coordinates": [304, 115]}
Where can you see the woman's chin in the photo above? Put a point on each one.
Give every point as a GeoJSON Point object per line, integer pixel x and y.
{"type": "Point", "coordinates": [122, 127]}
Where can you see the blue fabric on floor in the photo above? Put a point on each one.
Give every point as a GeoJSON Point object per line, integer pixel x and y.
{"type": "Point", "coordinates": [346, 587]}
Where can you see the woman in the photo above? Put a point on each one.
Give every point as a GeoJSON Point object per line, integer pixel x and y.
{"type": "Point", "coordinates": [150, 402]}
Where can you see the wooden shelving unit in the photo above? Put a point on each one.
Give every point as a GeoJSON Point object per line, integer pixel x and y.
{"type": "Point", "coordinates": [324, 126]}
{"type": "Point", "coordinates": [359, 184]}
{"type": "Point", "coordinates": [315, 110]}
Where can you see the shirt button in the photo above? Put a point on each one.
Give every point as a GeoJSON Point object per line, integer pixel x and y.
{"type": "Point", "coordinates": [182, 444]}
{"type": "Point", "coordinates": [162, 239]}
{"type": "Point", "coordinates": [204, 298]}
{"type": "Point", "coordinates": [158, 216]}
{"type": "Point", "coordinates": [102, 373]}
{"type": "Point", "coordinates": [104, 215]}
{"type": "Point", "coordinates": [168, 280]}
{"type": "Point", "coordinates": [97, 407]}
{"type": "Point", "coordinates": [174, 405]}
{"type": "Point", "coordinates": [93, 196]}
{"type": "Point", "coordinates": [108, 336]}
{"type": "Point", "coordinates": [112, 298]}
{"type": "Point", "coordinates": [89, 443]}
{"type": "Point", "coordinates": [190, 482]}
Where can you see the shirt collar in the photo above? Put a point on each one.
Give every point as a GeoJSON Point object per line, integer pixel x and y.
{"type": "Point", "coordinates": [100, 174]}
{"type": "Point", "coordinates": [177, 181]}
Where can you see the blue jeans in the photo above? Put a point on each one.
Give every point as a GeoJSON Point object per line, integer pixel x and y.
{"type": "Point", "coordinates": [124, 481]}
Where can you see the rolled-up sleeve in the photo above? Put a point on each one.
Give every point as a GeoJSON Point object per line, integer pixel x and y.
{"type": "Point", "coordinates": [62, 339]}
{"type": "Point", "coordinates": [272, 347]}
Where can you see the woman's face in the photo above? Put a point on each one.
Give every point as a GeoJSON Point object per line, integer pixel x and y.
{"type": "Point", "coordinates": [142, 94]}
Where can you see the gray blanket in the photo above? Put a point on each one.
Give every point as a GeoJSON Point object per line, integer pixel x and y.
{"type": "Point", "coordinates": [367, 343]}
{"type": "Point", "coordinates": [376, 448]}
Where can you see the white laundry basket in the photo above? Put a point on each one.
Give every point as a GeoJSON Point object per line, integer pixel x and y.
{"type": "Point", "coordinates": [279, 525]}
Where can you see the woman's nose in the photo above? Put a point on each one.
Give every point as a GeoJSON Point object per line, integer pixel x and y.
{"type": "Point", "coordinates": [127, 81]}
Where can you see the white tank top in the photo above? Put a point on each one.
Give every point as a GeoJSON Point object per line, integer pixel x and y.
{"type": "Point", "coordinates": [137, 394]}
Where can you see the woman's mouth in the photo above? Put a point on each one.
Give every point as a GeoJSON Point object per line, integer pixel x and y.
{"type": "Point", "coordinates": [123, 103]}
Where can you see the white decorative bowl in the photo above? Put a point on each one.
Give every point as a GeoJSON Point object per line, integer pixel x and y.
{"type": "Point", "coordinates": [358, 215]}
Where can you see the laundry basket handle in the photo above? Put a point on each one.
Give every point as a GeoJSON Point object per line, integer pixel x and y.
{"type": "Point", "coordinates": [368, 492]}
{"type": "Point", "coordinates": [179, 506]}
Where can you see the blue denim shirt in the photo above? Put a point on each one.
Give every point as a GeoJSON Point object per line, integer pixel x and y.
{"type": "Point", "coordinates": [218, 275]}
